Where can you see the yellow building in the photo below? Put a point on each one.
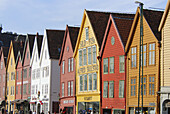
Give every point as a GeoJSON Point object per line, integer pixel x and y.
{"type": "Point", "coordinates": [87, 64]}
{"type": "Point", "coordinates": [164, 27]}
{"type": "Point", "coordinates": [151, 66]}
{"type": "Point", "coordinates": [13, 51]}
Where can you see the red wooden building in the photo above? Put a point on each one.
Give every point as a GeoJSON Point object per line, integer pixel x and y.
{"type": "Point", "coordinates": [3, 59]}
{"type": "Point", "coordinates": [67, 71]}
{"type": "Point", "coordinates": [112, 55]}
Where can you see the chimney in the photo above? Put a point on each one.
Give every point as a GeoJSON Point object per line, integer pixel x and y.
{"type": "Point", "coordinates": [37, 35]}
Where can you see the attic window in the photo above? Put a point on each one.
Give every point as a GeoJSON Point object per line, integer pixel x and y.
{"type": "Point", "coordinates": [87, 33]}
{"type": "Point", "coordinates": [45, 54]}
{"type": "Point", "coordinates": [67, 48]}
{"type": "Point", "coordinates": [27, 55]}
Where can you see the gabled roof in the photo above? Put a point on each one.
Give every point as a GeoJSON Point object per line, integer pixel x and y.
{"type": "Point", "coordinates": [99, 21]}
{"type": "Point", "coordinates": [39, 43]}
{"type": "Point", "coordinates": [18, 46]}
{"type": "Point", "coordinates": [73, 34]}
{"type": "Point", "coordinates": [122, 25]}
{"type": "Point", "coordinates": [4, 50]}
{"type": "Point", "coordinates": [164, 15]}
{"type": "Point", "coordinates": [31, 42]}
{"type": "Point", "coordinates": [153, 19]}
{"type": "Point", "coordinates": [54, 40]}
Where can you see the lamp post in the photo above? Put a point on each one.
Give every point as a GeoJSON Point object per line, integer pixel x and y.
{"type": "Point", "coordinates": [140, 57]}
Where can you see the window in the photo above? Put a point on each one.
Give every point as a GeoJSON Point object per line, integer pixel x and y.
{"type": "Point", "coordinates": [1, 65]}
{"type": "Point", "coordinates": [111, 89]}
{"type": "Point", "coordinates": [151, 85]}
{"type": "Point", "coordinates": [63, 67]}
{"type": "Point", "coordinates": [90, 82]}
{"type": "Point", "coordinates": [69, 64]}
{"type": "Point", "coordinates": [0, 78]}
{"type": "Point", "coordinates": [68, 88]}
{"type": "Point", "coordinates": [20, 90]}
{"type": "Point", "coordinates": [105, 89]}
{"type": "Point", "coordinates": [144, 85]}
{"type": "Point", "coordinates": [80, 57]}
{"type": "Point", "coordinates": [152, 54]}
{"type": "Point", "coordinates": [42, 89]}
{"type": "Point", "coordinates": [105, 65]}
{"type": "Point", "coordinates": [121, 64]}
{"type": "Point", "coordinates": [38, 73]}
{"type": "Point", "coordinates": [17, 75]}
{"type": "Point", "coordinates": [16, 89]}
{"type": "Point", "coordinates": [47, 71]}
{"type": "Point", "coordinates": [33, 89]}
{"type": "Point", "coordinates": [29, 88]}
{"type": "Point", "coordinates": [85, 56]}
{"type": "Point", "coordinates": [89, 55]}
{"type": "Point", "coordinates": [30, 72]}
{"type": "Point", "coordinates": [144, 55]}
{"type": "Point", "coordinates": [121, 88]}
{"type": "Point", "coordinates": [133, 57]}
{"type": "Point", "coordinates": [62, 89]}
{"type": "Point", "coordinates": [72, 64]}
{"type": "Point", "coordinates": [46, 89]}
{"type": "Point", "coordinates": [36, 89]}
{"type": "Point", "coordinates": [25, 73]}
{"type": "Point", "coordinates": [87, 33]}
{"type": "Point", "coordinates": [94, 55]}
{"type": "Point", "coordinates": [25, 89]}
{"type": "Point", "coordinates": [133, 86]}
{"type": "Point", "coordinates": [85, 82]}
{"type": "Point", "coordinates": [81, 83]}
{"type": "Point", "coordinates": [94, 81]}
{"type": "Point", "coordinates": [71, 88]}
{"type": "Point", "coordinates": [111, 65]}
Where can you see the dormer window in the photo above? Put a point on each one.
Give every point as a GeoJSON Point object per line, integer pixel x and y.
{"type": "Point", "coordinates": [87, 33]}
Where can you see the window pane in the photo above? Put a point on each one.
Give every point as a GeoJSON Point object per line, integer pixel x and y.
{"type": "Point", "coordinates": [121, 64]}
{"type": "Point", "coordinates": [62, 89]}
{"type": "Point", "coordinates": [69, 65]}
{"type": "Point", "coordinates": [95, 81]}
{"type": "Point", "coordinates": [71, 88]}
{"type": "Point", "coordinates": [63, 67]}
{"type": "Point", "coordinates": [87, 33]}
{"type": "Point", "coordinates": [121, 88]}
{"type": "Point", "coordinates": [111, 89]}
{"type": "Point", "coordinates": [105, 89]}
{"type": "Point", "coordinates": [68, 88]}
{"type": "Point", "coordinates": [80, 57]}
{"type": "Point", "coordinates": [111, 65]}
{"type": "Point", "coordinates": [105, 63]}
{"type": "Point", "coordinates": [85, 82]}
{"type": "Point", "coordinates": [89, 55]}
{"type": "Point", "coordinates": [72, 64]}
{"type": "Point", "coordinates": [81, 83]}
{"type": "Point", "coordinates": [94, 54]}
{"type": "Point", "coordinates": [85, 56]}
{"type": "Point", "coordinates": [90, 82]}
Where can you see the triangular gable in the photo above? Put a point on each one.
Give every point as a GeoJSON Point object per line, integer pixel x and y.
{"type": "Point", "coordinates": [150, 21]}
{"type": "Point", "coordinates": [18, 58]}
{"type": "Point", "coordinates": [9, 54]}
{"type": "Point", "coordinates": [164, 16]}
{"type": "Point", "coordinates": [34, 51]}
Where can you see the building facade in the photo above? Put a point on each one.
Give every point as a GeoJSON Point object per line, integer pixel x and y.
{"type": "Point", "coordinates": [151, 59]}
{"type": "Point", "coordinates": [112, 55]}
{"type": "Point", "coordinates": [67, 71]}
{"type": "Point", "coordinates": [164, 27]}
{"type": "Point", "coordinates": [3, 59]}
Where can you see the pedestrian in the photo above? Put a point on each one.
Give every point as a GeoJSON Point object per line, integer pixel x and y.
{"type": "Point", "coordinates": [34, 112]}
{"type": "Point", "coordinates": [30, 112]}
{"type": "Point", "coordinates": [42, 112]}
{"type": "Point", "coordinates": [49, 112]}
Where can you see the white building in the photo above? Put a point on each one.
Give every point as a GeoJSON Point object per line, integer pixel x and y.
{"type": "Point", "coordinates": [48, 83]}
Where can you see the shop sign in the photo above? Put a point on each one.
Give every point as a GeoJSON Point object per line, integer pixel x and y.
{"type": "Point", "coordinates": [88, 69]}
{"type": "Point", "coordinates": [167, 104]}
{"type": "Point", "coordinates": [68, 101]}
{"type": "Point", "coordinates": [34, 98]}
{"type": "Point", "coordinates": [151, 104]}
{"type": "Point", "coordinates": [87, 98]}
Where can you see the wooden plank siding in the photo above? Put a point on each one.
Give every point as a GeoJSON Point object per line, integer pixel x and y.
{"type": "Point", "coordinates": [165, 55]}
{"type": "Point", "coordinates": [149, 37]}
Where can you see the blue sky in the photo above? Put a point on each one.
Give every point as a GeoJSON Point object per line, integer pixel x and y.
{"type": "Point", "coordinates": [31, 16]}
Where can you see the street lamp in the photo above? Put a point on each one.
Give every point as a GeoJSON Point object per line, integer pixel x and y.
{"type": "Point", "coordinates": [141, 51]}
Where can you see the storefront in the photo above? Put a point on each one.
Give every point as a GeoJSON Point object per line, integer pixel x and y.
{"type": "Point", "coordinates": [146, 110]}
{"type": "Point", "coordinates": [84, 107]}
{"type": "Point", "coordinates": [67, 105]}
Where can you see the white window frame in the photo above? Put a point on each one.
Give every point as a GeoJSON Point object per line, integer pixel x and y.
{"type": "Point", "coordinates": [87, 33]}
{"type": "Point", "coordinates": [63, 67]}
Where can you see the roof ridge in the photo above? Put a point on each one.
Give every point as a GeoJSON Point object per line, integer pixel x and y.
{"type": "Point", "coordinates": [153, 10]}
{"type": "Point", "coordinates": [54, 30]}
